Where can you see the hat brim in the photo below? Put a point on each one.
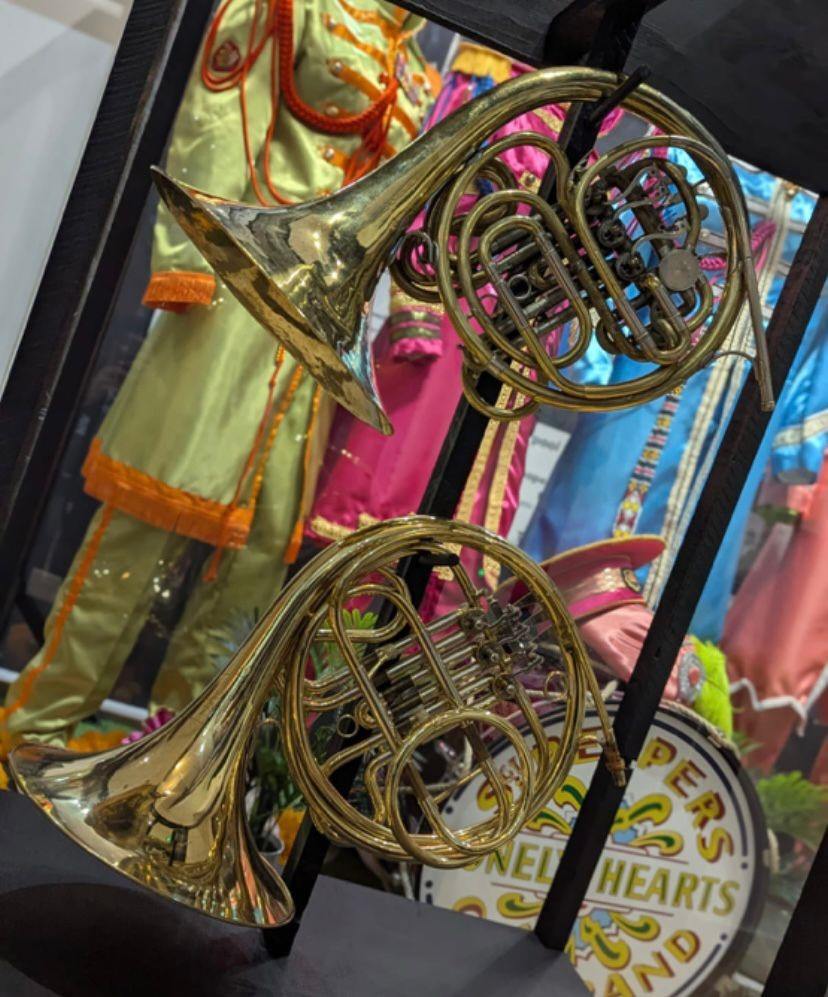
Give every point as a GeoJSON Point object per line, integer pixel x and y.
{"type": "Point", "coordinates": [637, 550]}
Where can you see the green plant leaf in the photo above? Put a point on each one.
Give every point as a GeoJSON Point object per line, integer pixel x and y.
{"type": "Point", "coordinates": [794, 805]}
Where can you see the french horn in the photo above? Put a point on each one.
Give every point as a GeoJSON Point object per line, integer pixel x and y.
{"type": "Point", "coordinates": [168, 810]}
{"type": "Point", "coordinates": [613, 257]}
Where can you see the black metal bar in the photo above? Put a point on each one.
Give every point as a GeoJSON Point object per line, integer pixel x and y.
{"type": "Point", "coordinates": [445, 487]}
{"type": "Point", "coordinates": [734, 73]}
{"type": "Point", "coordinates": [583, 124]}
{"type": "Point", "coordinates": [801, 750]}
{"type": "Point", "coordinates": [446, 484]}
{"type": "Point", "coordinates": [599, 111]}
{"type": "Point", "coordinates": [522, 28]}
{"type": "Point", "coordinates": [686, 582]}
{"type": "Point", "coordinates": [80, 282]}
{"type": "Point", "coordinates": [614, 33]}
{"type": "Point", "coordinates": [801, 964]}
{"type": "Point", "coordinates": [599, 31]}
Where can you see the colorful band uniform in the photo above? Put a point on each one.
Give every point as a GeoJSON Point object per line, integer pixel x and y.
{"type": "Point", "coordinates": [776, 631]}
{"type": "Point", "coordinates": [642, 470]}
{"type": "Point", "coordinates": [216, 434]}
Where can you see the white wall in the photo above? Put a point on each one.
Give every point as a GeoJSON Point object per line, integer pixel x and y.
{"type": "Point", "coordinates": [55, 57]}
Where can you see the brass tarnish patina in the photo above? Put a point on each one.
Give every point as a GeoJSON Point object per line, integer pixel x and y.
{"type": "Point", "coordinates": [527, 284]}
{"type": "Point", "coordinates": [168, 810]}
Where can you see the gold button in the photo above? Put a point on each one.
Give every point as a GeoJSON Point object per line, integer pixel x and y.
{"type": "Point", "coordinates": [336, 66]}
{"type": "Point", "coordinates": [328, 153]}
{"type": "Point", "coordinates": [631, 579]}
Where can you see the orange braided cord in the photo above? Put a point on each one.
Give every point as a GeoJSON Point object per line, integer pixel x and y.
{"type": "Point", "coordinates": [276, 28]}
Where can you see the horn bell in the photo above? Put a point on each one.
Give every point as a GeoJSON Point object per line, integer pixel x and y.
{"type": "Point", "coordinates": [285, 265]}
{"type": "Point", "coordinates": [112, 804]}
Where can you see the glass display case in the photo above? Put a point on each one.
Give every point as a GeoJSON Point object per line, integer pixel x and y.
{"type": "Point", "coordinates": [203, 469]}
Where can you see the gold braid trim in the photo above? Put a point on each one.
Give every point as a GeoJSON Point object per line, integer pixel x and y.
{"type": "Point", "coordinates": [330, 530]}
{"type": "Point", "coordinates": [466, 506]}
{"type": "Point", "coordinates": [497, 490]}
{"type": "Point", "coordinates": [476, 60]}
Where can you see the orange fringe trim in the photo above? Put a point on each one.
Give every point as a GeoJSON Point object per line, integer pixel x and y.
{"type": "Point", "coordinates": [289, 822]}
{"type": "Point", "coordinates": [342, 161]}
{"type": "Point", "coordinates": [96, 740]}
{"type": "Point", "coordinates": [389, 26]}
{"type": "Point", "coordinates": [295, 542]}
{"type": "Point", "coordinates": [178, 290]}
{"type": "Point", "coordinates": [49, 653]}
{"type": "Point", "coordinates": [152, 501]}
{"type": "Point", "coordinates": [258, 477]}
{"type": "Point", "coordinates": [435, 81]}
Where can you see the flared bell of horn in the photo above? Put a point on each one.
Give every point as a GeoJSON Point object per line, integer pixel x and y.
{"type": "Point", "coordinates": [168, 810]}
{"type": "Point", "coordinates": [308, 272]}
{"type": "Point", "coordinates": [290, 270]}
{"type": "Point", "coordinates": [196, 851]}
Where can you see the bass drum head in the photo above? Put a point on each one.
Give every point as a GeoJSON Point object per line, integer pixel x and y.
{"type": "Point", "coordinates": [680, 886]}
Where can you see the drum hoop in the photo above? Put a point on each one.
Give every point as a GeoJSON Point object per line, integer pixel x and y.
{"type": "Point", "coordinates": [744, 932]}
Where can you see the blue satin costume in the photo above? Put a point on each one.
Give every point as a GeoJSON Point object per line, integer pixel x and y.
{"type": "Point", "coordinates": [583, 499]}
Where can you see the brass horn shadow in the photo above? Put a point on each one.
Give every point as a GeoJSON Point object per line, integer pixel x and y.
{"type": "Point", "coordinates": [616, 257]}
{"type": "Point", "coordinates": [168, 811]}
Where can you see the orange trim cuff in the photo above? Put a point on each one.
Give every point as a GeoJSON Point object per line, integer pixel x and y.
{"type": "Point", "coordinates": [178, 290]}
{"type": "Point", "coordinates": [435, 81]}
{"type": "Point", "coordinates": [155, 502]}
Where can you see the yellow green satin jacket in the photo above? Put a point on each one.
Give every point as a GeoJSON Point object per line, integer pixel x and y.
{"type": "Point", "coordinates": [184, 446]}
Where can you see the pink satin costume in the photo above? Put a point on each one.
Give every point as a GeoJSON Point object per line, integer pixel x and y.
{"type": "Point", "coordinates": [368, 477]}
{"type": "Point", "coordinates": [776, 634]}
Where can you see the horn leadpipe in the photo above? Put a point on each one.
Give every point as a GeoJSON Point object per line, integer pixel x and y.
{"type": "Point", "coordinates": [308, 272]}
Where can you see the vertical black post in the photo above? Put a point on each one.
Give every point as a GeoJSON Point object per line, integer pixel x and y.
{"type": "Point", "coordinates": [68, 318]}
{"type": "Point", "coordinates": [442, 494]}
{"type": "Point", "coordinates": [686, 582]}
{"type": "Point", "coordinates": [608, 41]}
{"type": "Point", "coordinates": [801, 750]}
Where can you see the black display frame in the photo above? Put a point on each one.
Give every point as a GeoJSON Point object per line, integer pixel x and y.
{"type": "Point", "coordinates": [80, 284]}
{"type": "Point", "coordinates": [79, 287]}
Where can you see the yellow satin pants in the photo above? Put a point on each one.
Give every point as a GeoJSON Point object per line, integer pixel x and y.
{"type": "Point", "coordinates": [117, 577]}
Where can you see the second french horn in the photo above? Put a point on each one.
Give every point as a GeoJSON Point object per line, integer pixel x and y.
{"type": "Point", "coordinates": [613, 256]}
{"type": "Point", "coordinates": [473, 666]}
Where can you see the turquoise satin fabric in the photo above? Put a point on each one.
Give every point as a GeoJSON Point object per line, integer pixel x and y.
{"type": "Point", "coordinates": [581, 500]}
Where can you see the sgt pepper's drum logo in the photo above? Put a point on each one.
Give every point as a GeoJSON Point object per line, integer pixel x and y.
{"type": "Point", "coordinates": [680, 883]}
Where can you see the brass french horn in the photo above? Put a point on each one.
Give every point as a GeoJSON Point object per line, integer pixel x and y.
{"type": "Point", "coordinates": [168, 810]}
{"type": "Point", "coordinates": [527, 284]}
